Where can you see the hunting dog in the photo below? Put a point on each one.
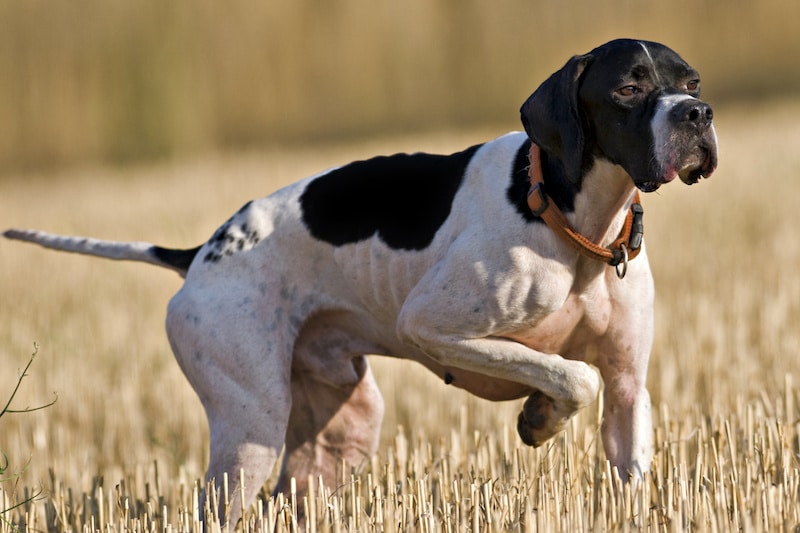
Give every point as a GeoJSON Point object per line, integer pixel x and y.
{"type": "Point", "coordinates": [486, 266]}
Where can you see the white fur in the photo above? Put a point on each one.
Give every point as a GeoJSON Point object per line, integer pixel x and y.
{"type": "Point", "coordinates": [662, 133]}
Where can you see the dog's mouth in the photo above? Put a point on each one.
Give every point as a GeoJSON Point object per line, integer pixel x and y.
{"type": "Point", "coordinates": [653, 185]}
{"type": "Point", "coordinates": [700, 164]}
{"type": "Point", "coordinates": [649, 186]}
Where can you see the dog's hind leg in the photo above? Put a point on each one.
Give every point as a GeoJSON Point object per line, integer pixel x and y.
{"type": "Point", "coordinates": [337, 408]}
{"type": "Point", "coordinates": [329, 425]}
{"type": "Point", "coordinates": [239, 364]}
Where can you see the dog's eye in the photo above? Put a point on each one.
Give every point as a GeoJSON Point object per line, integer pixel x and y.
{"type": "Point", "coordinates": [692, 85]}
{"type": "Point", "coordinates": [628, 90]}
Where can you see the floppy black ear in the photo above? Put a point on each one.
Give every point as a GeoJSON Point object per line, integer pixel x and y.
{"type": "Point", "coordinates": [551, 118]}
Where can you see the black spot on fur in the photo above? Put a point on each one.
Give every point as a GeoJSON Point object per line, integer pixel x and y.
{"type": "Point", "coordinates": [232, 237]}
{"type": "Point", "coordinates": [403, 198]}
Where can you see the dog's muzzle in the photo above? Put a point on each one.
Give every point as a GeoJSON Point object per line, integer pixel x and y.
{"type": "Point", "coordinates": [685, 142]}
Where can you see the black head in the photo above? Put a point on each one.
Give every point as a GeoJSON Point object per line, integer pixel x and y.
{"type": "Point", "coordinates": [634, 103]}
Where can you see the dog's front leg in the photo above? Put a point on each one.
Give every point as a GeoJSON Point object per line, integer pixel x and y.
{"type": "Point", "coordinates": [627, 429]}
{"type": "Point", "coordinates": [622, 357]}
{"type": "Point", "coordinates": [627, 421]}
{"type": "Point", "coordinates": [564, 386]}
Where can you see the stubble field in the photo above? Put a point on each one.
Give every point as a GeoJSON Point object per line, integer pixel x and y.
{"type": "Point", "coordinates": [126, 442]}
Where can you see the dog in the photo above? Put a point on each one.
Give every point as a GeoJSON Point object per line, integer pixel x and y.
{"type": "Point", "coordinates": [479, 265]}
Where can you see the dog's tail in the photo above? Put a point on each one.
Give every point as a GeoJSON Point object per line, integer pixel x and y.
{"type": "Point", "coordinates": [177, 260]}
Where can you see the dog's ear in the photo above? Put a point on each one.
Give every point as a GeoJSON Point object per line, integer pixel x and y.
{"type": "Point", "coordinates": [551, 117]}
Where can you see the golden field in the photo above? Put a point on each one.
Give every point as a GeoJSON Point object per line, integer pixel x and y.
{"type": "Point", "coordinates": [125, 81]}
{"type": "Point", "coordinates": [125, 443]}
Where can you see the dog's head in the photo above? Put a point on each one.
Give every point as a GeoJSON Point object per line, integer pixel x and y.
{"type": "Point", "coordinates": [634, 103]}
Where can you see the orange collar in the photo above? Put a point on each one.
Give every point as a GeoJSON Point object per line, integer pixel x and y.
{"type": "Point", "coordinates": [625, 247]}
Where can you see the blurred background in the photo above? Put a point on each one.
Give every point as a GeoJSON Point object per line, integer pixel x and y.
{"type": "Point", "coordinates": [95, 81]}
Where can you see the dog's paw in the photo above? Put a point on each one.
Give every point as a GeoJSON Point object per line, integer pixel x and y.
{"type": "Point", "coordinates": [542, 418]}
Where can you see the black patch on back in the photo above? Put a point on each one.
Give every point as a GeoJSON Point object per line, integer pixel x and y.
{"type": "Point", "coordinates": [404, 198]}
{"type": "Point", "coordinates": [557, 187]}
{"type": "Point", "coordinates": [180, 259]}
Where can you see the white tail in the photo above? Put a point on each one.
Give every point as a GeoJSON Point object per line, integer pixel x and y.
{"type": "Point", "coordinates": [178, 260]}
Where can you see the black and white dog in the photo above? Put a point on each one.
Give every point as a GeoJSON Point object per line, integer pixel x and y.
{"type": "Point", "coordinates": [438, 259]}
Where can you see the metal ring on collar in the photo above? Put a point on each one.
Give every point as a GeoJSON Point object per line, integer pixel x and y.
{"type": "Point", "coordinates": [624, 270]}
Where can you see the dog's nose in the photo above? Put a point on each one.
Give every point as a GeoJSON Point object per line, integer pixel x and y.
{"type": "Point", "coordinates": [698, 113]}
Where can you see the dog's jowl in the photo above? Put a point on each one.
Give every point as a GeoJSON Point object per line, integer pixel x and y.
{"type": "Point", "coordinates": [512, 269]}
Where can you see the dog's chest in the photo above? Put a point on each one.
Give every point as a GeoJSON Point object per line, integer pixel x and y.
{"type": "Point", "coordinates": [568, 330]}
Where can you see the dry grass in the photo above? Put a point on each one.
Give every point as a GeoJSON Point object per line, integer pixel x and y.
{"type": "Point", "coordinates": [126, 442]}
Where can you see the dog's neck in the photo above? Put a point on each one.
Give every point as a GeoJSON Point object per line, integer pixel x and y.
{"type": "Point", "coordinates": [598, 204]}
{"type": "Point", "coordinates": [602, 202]}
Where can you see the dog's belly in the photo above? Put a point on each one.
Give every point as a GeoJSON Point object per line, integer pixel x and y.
{"type": "Point", "coordinates": [482, 386]}
{"type": "Point", "coordinates": [330, 340]}
{"type": "Point", "coordinates": [485, 387]}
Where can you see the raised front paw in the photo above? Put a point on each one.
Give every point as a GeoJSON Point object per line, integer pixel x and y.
{"type": "Point", "coordinates": [541, 418]}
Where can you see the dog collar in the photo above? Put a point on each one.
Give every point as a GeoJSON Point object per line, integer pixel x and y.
{"type": "Point", "coordinates": [624, 248]}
